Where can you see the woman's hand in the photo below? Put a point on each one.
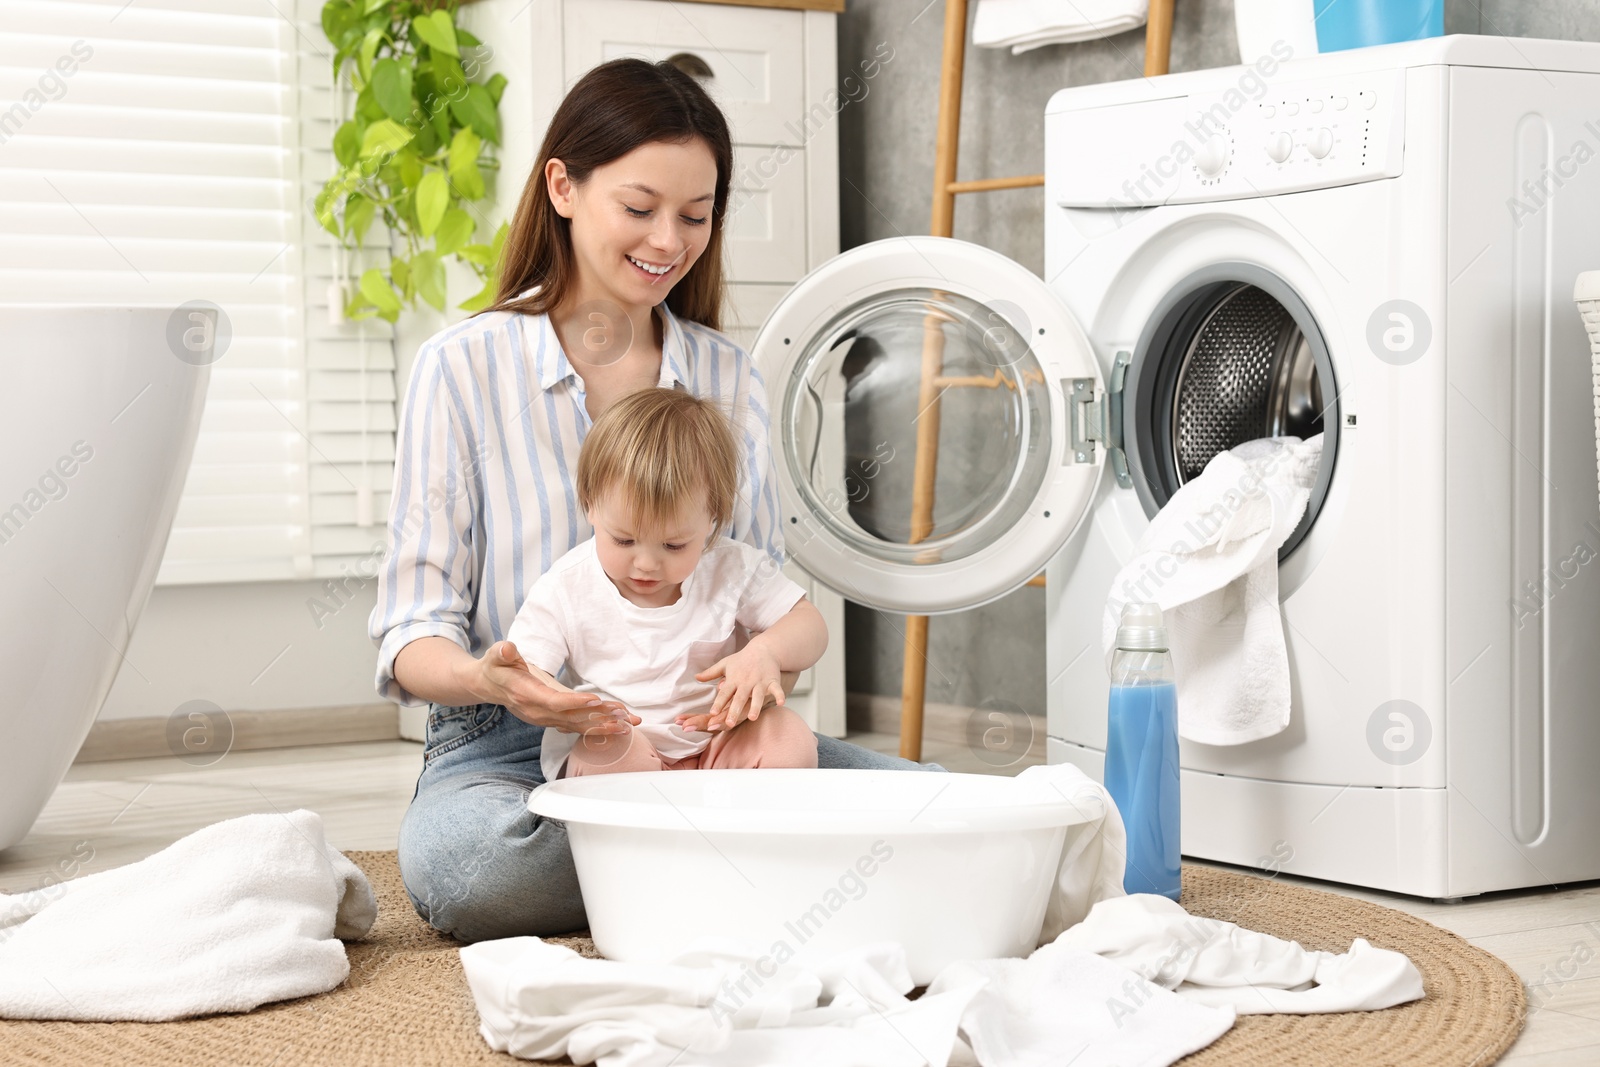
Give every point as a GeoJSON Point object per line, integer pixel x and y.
{"type": "Point", "coordinates": [750, 677]}
{"type": "Point", "coordinates": [502, 676]}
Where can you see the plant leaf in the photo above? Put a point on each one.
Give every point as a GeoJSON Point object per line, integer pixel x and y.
{"type": "Point", "coordinates": [428, 272]}
{"type": "Point", "coordinates": [347, 143]}
{"type": "Point", "coordinates": [482, 299]}
{"type": "Point", "coordinates": [437, 31]}
{"type": "Point", "coordinates": [358, 214]}
{"type": "Point", "coordinates": [454, 231]}
{"type": "Point", "coordinates": [433, 197]}
{"type": "Point", "coordinates": [478, 255]}
{"type": "Point", "coordinates": [391, 86]}
{"type": "Point", "coordinates": [400, 271]}
{"type": "Point", "coordinates": [383, 138]}
{"type": "Point", "coordinates": [464, 149]}
{"type": "Point", "coordinates": [467, 40]}
{"type": "Point", "coordinates": [378, 290]}
{"type": "Point", "coordinates": [496, 86]}
{"type": "Point", "coordinates": [321, 206]}
{"type": "Point", "coordinates": [369, 48]}
{"type": "Point", "coordinates": [476, 109]}
{"type": "Point", "coordinates": [410, 167]}
{"type": "Point", "coordinates": [372, 5]}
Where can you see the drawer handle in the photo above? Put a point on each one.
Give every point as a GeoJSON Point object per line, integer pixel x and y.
{"type": "Point", "coordinates": [690, 64]}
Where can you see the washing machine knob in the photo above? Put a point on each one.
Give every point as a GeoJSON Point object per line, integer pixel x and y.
{"type": "Point", "coordinates": [1213, 156]}
{"type": "Point", "coordinates": [1279, 145]}
{"type": "Point", "coordinates": [1321, 143]}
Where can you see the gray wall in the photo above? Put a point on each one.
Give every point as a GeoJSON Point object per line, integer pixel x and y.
{"type": "Point", "coordinates": [886, 162]}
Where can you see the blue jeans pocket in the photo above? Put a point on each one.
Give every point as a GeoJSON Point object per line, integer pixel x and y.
{"type": "Point", "coordinates": [451, 727]}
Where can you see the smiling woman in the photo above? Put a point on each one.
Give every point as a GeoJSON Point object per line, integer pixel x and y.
{"type": "Point", "coordinates": [611, 282]}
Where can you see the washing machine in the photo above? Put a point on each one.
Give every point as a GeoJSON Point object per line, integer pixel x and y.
{"type": "Point", "coordinates": [1377, 246]}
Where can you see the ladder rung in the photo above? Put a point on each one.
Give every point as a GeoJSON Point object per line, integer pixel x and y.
{"type": "Point", "coordinates": [984, 185]}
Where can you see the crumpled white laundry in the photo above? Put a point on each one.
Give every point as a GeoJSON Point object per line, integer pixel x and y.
{"type": "Point", "coordinates": [710, 1007]}
{"type": "Point", "coordinates": [240, 913]}
{"type": "Point", "coordinates": [1094, 853]}
{"type": "Point", "coordinates": [1210, 560]}
{"type": "Point", "coordinates": [1221, 963]}
{"type": "Point", "coordinates": [1025, 24]}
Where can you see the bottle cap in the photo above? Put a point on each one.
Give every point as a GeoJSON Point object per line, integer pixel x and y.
{"type": "Point", "coordinates": [1141, 628]}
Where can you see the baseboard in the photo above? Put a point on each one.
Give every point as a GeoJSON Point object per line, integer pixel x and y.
{"type": "Point", "coordinates": [942, 723]}
{"type": "Point", "coordinates": [140, 738]}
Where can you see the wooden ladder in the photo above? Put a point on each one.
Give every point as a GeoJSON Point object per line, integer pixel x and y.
{"type": "Point", "coordinates": [1157, 56]}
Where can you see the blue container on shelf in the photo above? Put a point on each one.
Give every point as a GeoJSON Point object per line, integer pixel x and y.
{"type": "Point", "coordinates": [1345, 24]}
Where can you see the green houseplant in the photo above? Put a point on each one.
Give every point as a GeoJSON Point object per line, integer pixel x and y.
{"type": "Point", "coordinates": [417, 149]}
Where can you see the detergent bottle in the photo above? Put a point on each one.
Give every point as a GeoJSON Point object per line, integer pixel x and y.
{"type": "Point", "coordinates": [1142, 750]}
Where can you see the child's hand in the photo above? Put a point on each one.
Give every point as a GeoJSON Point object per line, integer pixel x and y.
{"type": "Point", "coordinates": [700, 721]}
{"type": "Point", "coordinates": [749, 678]}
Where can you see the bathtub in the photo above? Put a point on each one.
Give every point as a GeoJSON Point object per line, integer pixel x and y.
{"type": "Point", "coordinates": [100, 422]}
{"type": "Point", "coordinates": [806, 863]}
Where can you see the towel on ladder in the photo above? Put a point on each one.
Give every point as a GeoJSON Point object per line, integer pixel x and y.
{"type": "Point", "coordinates": [1024, 24]}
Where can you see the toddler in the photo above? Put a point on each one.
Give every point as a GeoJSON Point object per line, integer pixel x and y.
{"type": "Point", "coordinates": [659, 604]}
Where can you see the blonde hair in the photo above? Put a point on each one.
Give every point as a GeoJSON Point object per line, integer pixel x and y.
{"type": "Point", "coordinates": [656, 448]}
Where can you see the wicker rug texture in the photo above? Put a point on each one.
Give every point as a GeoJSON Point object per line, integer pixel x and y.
{"type": "Point", "coordinates": [406, 1002]}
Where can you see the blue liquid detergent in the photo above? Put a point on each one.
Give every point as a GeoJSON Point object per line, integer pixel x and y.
{"type": "Point", "coordinates": [1142, 778]}
{"type": "Point", "coordinates": [1345, 24]}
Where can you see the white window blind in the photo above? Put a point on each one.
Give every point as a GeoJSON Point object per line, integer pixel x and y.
{"type": "Point", "coordinates": [151, 152]}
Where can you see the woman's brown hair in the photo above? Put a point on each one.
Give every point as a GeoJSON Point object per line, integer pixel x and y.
{"type": "Point", "coordinates": [613, 109]}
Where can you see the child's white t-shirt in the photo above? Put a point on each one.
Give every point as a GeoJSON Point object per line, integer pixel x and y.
{"type": "Point", "coordinates": [646, 659]}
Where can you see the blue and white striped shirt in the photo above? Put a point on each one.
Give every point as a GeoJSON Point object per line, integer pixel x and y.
{"type": "Point", "coordinates": [485, 473]}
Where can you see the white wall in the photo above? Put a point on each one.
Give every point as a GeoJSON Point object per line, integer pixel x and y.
{"type": "Point", "coordinates": [250, 646]}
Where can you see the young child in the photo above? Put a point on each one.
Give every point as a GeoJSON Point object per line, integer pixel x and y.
{"type": "Point", "coordinates": [660, 603]}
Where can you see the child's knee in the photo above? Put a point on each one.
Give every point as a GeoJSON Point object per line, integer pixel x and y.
{"type": "Point", "coordinates": [611, 754]}
{"type": "Point", "coordinates": [791, 741]}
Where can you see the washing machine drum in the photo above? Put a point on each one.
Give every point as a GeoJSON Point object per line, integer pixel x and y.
{"type": "Point", "coordinates": [1231, 356]}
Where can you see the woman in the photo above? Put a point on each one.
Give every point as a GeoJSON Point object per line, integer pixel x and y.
{"type": "Point", "coordinates": [611, 282]}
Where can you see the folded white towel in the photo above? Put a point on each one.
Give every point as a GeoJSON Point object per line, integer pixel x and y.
{"type": "Point", "coordinates": [1221, 963]}
{"type": "Point", "coordinates": [1210, 560]}
{"type": "Point", "coordinates": [1025, 24]}
{"type": "Point", "coordinates": [240, 913]}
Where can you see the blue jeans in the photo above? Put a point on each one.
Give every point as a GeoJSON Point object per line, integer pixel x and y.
{"type": "Point", "coordinates": [476, 863]}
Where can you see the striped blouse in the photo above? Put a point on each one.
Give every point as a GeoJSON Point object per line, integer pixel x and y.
{"type": "Point", "coordinates": [486, 459]}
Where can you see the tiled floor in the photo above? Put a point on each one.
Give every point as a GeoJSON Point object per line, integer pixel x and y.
{"type": "Point", "coordinates": [107, 814]}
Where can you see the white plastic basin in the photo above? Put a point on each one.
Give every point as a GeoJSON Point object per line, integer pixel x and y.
{"type": "Point", "coordinates": [810, 862]}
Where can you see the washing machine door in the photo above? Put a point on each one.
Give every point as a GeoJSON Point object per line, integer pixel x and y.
{"type": "Point", "coordinates": [937, 416]}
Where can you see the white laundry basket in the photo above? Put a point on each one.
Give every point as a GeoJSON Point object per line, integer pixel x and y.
{"type": "Point", "coordinates": [1587, 295]}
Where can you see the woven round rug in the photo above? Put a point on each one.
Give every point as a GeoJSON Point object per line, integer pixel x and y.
{"type": "Point", "coordinates": [406, 1001]}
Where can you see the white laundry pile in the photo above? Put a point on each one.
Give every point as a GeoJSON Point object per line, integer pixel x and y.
{"type": "Point", "coordinates": [1024, 24]}
{"type": "Point", "coordinates": [1096, 992]}
{"type": "Point", "coordinates": [1210, 560]}
{"type": "Point", "coordinates": [704, 1009]}
{"type": "Point", "coordinates": [237, 914]}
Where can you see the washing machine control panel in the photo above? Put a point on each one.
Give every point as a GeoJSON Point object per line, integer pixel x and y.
{"type": "Point", "coordinates": [1249, 140]}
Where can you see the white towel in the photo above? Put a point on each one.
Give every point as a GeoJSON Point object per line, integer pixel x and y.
{"type": "Point", "coordinates": [1024, 24]}
{"type": "Point", "coordinates": [1210, 560]}
{"type": "Point", "coordinates": [240, 913]}
{"type": "Point", "coordinates": [1221, 963]}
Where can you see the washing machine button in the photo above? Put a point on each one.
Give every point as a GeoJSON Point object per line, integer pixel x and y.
{"type": "Point", "coordinates": [1367, 99]}
{"type": "Point", "coordinates": [1291, 108]}
{"type": "Point", "coordinates": [1315, 106]}
{"type": "Point", "coordinates": [1279, 145]}
{"type": "Point", "coordinates": [1212, 157]}
{"type": "Point", "coordinates": [1340, 103]}
{"type": "Point", "coordinates": [1321, 143]}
